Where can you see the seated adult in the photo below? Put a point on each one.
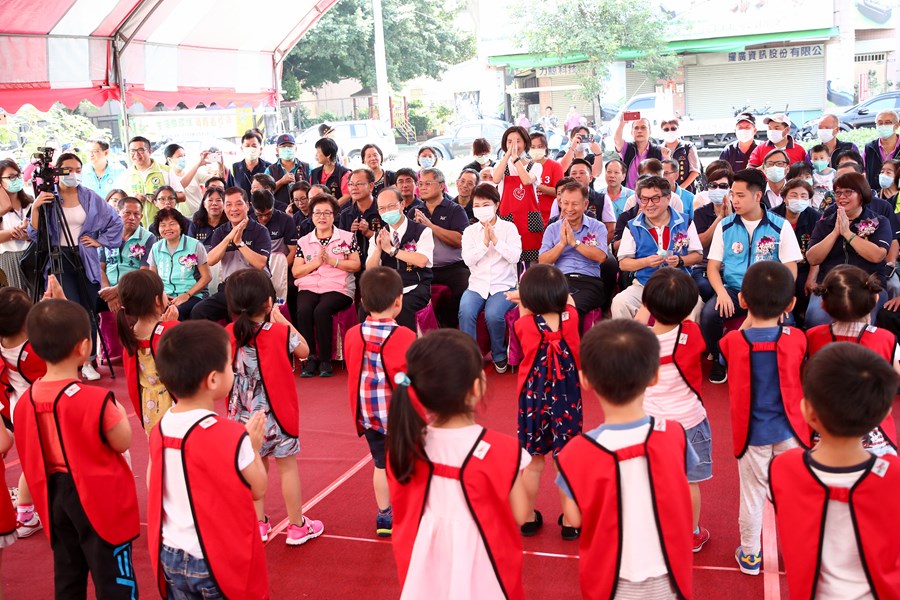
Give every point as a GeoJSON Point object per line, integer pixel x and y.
{"type": "Point", "coordinates": [130, 256]}
{"type": "Point", "coordinates": [299, 208]}
{"type": "Point", "coordinates": [671, 172]}
{"type": "Point", "coordinates": [181, 263]}
{"type": "Point", "coordinates": [167, 197]}
{"type": "Point", "coordinates": [655, 168]}
{"type": "Point", "coordinates": [889, 182]}
{"type": "Point", "coordinates": [209, 217]}
{"type": "Point", "coordinates": [240, 244]}
{"type": "Point", "coordinates": [706, 217]}
{"type": "Point", "coordinates": [576, 244]}
{"type": "Point", "coordinates": [361, 217]}
{"type": "Point", "coordinates": [330, 172]}
{"type": "Point", "coordinates": [282, 235]}
{"type": "Point", "coordinates": [851, 234]}
{"type": "Point", "coordinates": [614, 175]}
{"type": "Point", "coordinates": [884, 147]}
{"type": "Point", "coordinates": [373, 157]}
{"type": "Point", "coordinates": [407, 182]}
{"type": "Point", "coordinates": [775, 166]}
{"type": "Point", "coordinates": [491, 249]}
{"type": "Point", "coordinates": [465, 184]}
{"type": "Point", "coordinates": [323, 271]}
{"type": "Point", "coordinates": [658, 237]}
{"type": "Point", "coordinates": [752, 234]}
{"type": "Point", "coordinates": [287, 170]}
{"type": "Point", "coordinates": [407, 247]}
{"type": "Point", "coordinates": [778, 137]}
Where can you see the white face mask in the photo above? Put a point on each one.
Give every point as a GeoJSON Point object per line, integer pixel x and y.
{"type": "Point", "coordinates": [670, 137]}
{"type": "Point", "coordinates": [717, 196]}
{"type": "Point", "coordinates": [482, 159]}
{"type": "Point", "coordinates": [744, 135]}
{"type": "Point", "coordinates": [426, 162]}
{"type": "Point", "coordinates": [798, 206]}
{"type": "Point", "coordinates": [538, 153]}
{"type": "Point", "coordinates": [251, 152]}
{"type": "Point", "coordinates": [72, 179]}
{"type": "Point", "coordinates": [825, 135]}
{"type": "Point", "coordinates": [483, 213]}
{"type": "Point", "coordinates": [775, 135]}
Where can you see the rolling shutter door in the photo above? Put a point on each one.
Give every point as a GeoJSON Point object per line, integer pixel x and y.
{"type": "Point", "coordinates": [638, 83]}
{"type": "Point", "coordinates": [712, 90]}
{"type": "Point", "coordinates": [561, 100]}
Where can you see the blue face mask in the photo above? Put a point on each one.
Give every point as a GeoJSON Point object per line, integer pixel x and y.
{"type": "Point", "coordinates": [391, 217]}
{"type": "Point", "coordinates": [884, 180]}
{"type": "Point", "coordinates": [14, 186]}
{"type": "Point", "coordinates": [180, 163]}
{"type": "Point", "coordinates": [884, 131]}
{"type": "Point", "coordinates": [820, 165]}
{"type": "Point", "coordinates": [286, 153]}
{"type": "Point", "coordinates": [775, 174]}
{"type": "Point", "coordinates": [426, 162]}
{"type": "Point", "coordinates": [72, 180]}
{"type": "Point", "coordinates": [717, 196]}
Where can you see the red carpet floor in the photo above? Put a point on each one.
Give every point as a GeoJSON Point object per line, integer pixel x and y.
{"type": "Point", "coordinates": [348, 560]}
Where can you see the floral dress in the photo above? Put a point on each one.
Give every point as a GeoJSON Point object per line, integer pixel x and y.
{"type": "Point", "coordinates": [249, 396]}
{"type": "Point", "coordinates": [155, 398]}
{"type": "Point", "coordinates": [550, 400]}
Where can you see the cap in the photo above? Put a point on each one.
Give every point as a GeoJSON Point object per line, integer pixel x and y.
{"type": "Point", "coordinates": [747, 117]}
{"type": "Point", "coordinates": [778, 118]}
{"type": "Point", "coordinates": [285, 138]}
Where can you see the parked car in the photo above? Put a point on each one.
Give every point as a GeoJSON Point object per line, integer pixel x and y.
{"type": "Point", "coordinates": [857, 116]}
{"type": "Point", "coordinates": [350, 136]}
{"type": "Point", "coordinates": [458, 139]}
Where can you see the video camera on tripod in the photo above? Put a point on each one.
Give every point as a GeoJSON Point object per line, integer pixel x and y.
{"type": "Point", "coordinates": [46, 173]}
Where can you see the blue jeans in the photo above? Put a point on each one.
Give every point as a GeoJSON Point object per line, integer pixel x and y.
{"type": "Point", "coordinates": [495, 308]}
{"type": "Point", "coordinates": [703, 284]}
{"type": "Point", "coordinates": [816, 315]}
{"type": "Point", "coordinates": [187, 576]}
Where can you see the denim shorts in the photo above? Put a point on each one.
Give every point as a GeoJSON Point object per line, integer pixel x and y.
{"type": "Point", "coordinates": [700, 438]}
{"type": "Point", "coordinates": [187, 576]}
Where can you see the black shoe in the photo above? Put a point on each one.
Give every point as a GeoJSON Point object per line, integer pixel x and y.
{"type": "Point", "coordinates": [718, 373]}
{"type": "Point", "coordinates": [311, 367]}
{"type": "Point", "coordinates": [531, 528]}
{"type": "Point", "coordinates": [325, 369]}
{"type": "Point", "coordinates": [569, 533]}
{"type": "Point", "coordinates": [501, 366]}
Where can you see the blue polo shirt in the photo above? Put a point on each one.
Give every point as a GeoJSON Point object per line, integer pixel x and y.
{"type": "Point", "coordinates": [571, 262]}
{"type": "Point", "coordinates": [105, 183]}
{"type": "Point", "coordinates": [282, 231]}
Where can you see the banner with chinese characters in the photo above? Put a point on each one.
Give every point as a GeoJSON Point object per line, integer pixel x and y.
{"type": "Point", "coordinates": [775, 54]}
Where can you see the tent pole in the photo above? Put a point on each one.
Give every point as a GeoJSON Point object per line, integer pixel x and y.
{"type": "Point", "coordinates": [276, 78]}
{"type": "Point", "coordinates": [124, 132]}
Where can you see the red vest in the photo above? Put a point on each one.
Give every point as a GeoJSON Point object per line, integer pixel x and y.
{"type": "Point", "coordinates": [486, 476]}
{"type": "Point", "coordinates": [132, 372]}
{"type": "Point", "coordinates": [102, 477]}
{"type": "Point", "coordinates": [271, 342]}
{"type": "Point", "coordinates": [880, 341]}
{"type": "Point", "coordinates": [592, 473]}
{"type": "Point", "coordinates": [28, 364]}
{"type": "Point", "coordinates": [791, 350]}
{"type": "Point", "coordinates": [221, 504]}
{"type": "Point", "coordinates": [7, 511]}
{"type": "Point", "coordinates": [800, 507]}
{"type": "Point", "coordinates": [532, 340]}
{"type": "Point", "coordinates": [689, 349]}
{"type": "Point", "coordinates": [393, 359]}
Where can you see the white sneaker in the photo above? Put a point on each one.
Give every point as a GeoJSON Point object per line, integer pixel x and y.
{"type": "Point", "coordinates": [29, 528]}
{"type": "Point", "coordinates": [89, 372]}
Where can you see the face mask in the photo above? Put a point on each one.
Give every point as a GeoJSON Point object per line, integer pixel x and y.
{"type": "Point", "coordinates": [775, 135]}
{"type": "Point", "coordinates": [391, 217]}
{"type": "Point", "coordinates": [180, 163]}
{"type": "Point", "coordinates": [744, 135]}
{"type": "Point", "coordinates": [538, 153]}
{"type": "Point", "coordinates": [483, 213]}
{"type": "Point", "coordinates": [670, 136]}
{"type": "Point", "coordinates": [809, 180]}
{"type": "Point", "coordinates": [775, 174]}
{"type": "Point", "coordinates": [483, 159]}
{"type": "Point", "coordinates": [286, 153]}
{"type": "Point", "coordinates": [884, 180]}
{"type": "Point", "coordinates": [14, 186]}
{"type": "Point", "coordinates": [820, 165]}
{"type": "Point", "coordinates": [717, 196]}
{"type": "Point", "coordinates": [426, 162]}
{"type": "Point", "coordinates": [825, 135]}
{"type": "Point", "coordinates": [72, 180]}
{"type": "Point", "coordinates": [250, 152]}
{"type": "Point", "coordinates": [798, 206]}
{"type": "Point", "coordinates": [885, 131]}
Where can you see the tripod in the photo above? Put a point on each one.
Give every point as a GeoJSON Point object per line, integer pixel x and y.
{"type": "Point", "coordinates": [53, 254]}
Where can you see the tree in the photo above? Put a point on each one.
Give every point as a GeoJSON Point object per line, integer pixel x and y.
{"type": "Point", "coordinates": [420, 39]}
{"type": "Point", "coordinates": [30, 128]}
{"type": "Point", "coordinates": [599, 30]}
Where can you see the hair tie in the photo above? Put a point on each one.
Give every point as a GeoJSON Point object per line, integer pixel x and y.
{"type": "Point", "coordinates": [244, 311]}
{"type": "Point", "coordinates": [402, 379]}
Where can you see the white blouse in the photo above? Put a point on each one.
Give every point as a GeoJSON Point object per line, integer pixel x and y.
{"type": "Point", "coordinates": [492, 267]}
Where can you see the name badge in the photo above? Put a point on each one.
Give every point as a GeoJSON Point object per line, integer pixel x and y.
{"type": "Point", "coordinates": [682, 339]}
{"type": "Point", "coordinates": [871, 328]}
{"type": "Point", "coordinates": [24, 355]}
{"type": "Point", "coordinates": [267, 326]}
{"type": "Point", "coordinates": [659, 425]}
{"type": "Point", "coordinates": [208, 422]}
{"type": "Point", "coordinates": [72, 390]}
{"type": "Point", "coordinates": [481, 449]}
{"type": "Point", "coordinates": [880, 467]}
{"type": "Point", "coordinates": [159, 329]}
{"type": "Point", "coordinates": [565, 316]}
{"type": "Point", "coordinates": [786, 330]}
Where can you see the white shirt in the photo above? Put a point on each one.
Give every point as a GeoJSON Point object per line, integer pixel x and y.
{"type": "Point", "coordinates": [674, 201]}
{"type": "Point", "coordinates": [178, 530]}
{"type": "Point", "coordinates": [18, 383]}
{"type": "Point", "coordinates": [535, 171]}
{"type": "Point", "coordinates": [671, 398]}
{"type": "Point", "coordinates": [75, 218]}
{"type": "Point", "coordinates": [492, 267]}
{"type": "Point", "coordinates": [8, 222]}
{"type": "Point", "coordinates": [788, 248]}
{"type": "Point", "coordinates": [607, 213]}
{"type": "Point", "coordinates": [425, 245]}
{"type": "Point", "coordinates": [627, 247]}
{"type": "Point", "coordinates": [773, 198]}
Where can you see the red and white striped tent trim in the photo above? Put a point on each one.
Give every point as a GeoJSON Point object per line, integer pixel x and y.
{"type": "Point", "coordinates": [147, 51]}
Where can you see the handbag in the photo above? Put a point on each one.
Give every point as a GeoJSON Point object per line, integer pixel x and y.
{"type": "Point", "coordinates": [34, 259]}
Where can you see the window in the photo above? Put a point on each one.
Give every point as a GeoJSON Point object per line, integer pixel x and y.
{"type": "Point", "coordinates": [881, 104]}
{"type": "Point", "coordinates": [468, 132]}
{"type": "Point", "coordinates": [643, 104]}
{"type": "Point", "coordinates": [358, 131]}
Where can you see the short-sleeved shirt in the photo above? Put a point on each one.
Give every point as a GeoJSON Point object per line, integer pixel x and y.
{"type": "Point", "coordinates": [571, 262]}
{"type": "Point", "coordinates": [130, 256]}
{"type": "Point", "coordinates": [282, 230]}
{"type": "Point", "coordinates": [351, 213]}
{"type": "Point", "coordinates": [843, 253]}
{"type": "Point", "coordinates": [794, 151]}
{"type": "Point", "coordinates": [448, 215]}
{"type": "Point", "coordinates": [105, 183]}
{"type": "Point", "coordinates": [255, 236]}
{"type": "Point", "coordinates": [628, 248]}
{"type": "Point", "coordinates": [204, 233]}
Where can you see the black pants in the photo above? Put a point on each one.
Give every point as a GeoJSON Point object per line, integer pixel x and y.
{"type": "Point", "coordinates": [314, 313]}
{"type": "Point", "coordinates": [455, 277]}
{"type": "Point", "coordinates": [587, 292]}
{"type": "Point", "coordinates": [85, 295]}
{"type": "Point", "coordinates": [609, 274]}
{"type": "Point", "coordinates": [889, 320]}
{"type": "Point", "coordinates": [413, 301]}
{"type": "Point", "coordinates": [213, 308]}
{"type": "Point", "coordinates": [79, 551]}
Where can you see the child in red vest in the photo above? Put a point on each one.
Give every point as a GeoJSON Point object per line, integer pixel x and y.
{"type": "Point", "coordinates": [549, 395]}
{"type": "Point", "coordinates": [764, 363]}
{"type": "Point", "coordinates": [670, 296]}
{"type": "Point", "coordinates": [71, 438]}
{"type": "Point", "coordinates": [264, 342]}
{"type": "Point", "coordinates": [633, 460]}
{"type": "Point", "coordinates": [456, 487]}
{"type": "Point", "coordinates": [375, 352]}
{"type": "Point", "coordinates": [204, 474]}
{"type": "Point", "coordinates": [848, 296]}
{"type": "Point", "coordinates": [837, 525]}
{"type": "Point", "coordinates": [144, 316]}
{"type": "Point", "coordinates": [21, 366]}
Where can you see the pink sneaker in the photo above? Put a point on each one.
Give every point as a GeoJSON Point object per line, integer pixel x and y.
{"type": "Point", "coordinates": [300, 534]}
{"type": "Point", "coordinates": [264, 529]}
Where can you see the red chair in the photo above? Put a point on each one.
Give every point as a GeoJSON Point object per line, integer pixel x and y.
{"type": "Point", "coordinates": [426, 320]}
{"type": "Point", "coordinates": [340, 323]}
{"type": "Point", "coordinates": [734, 323]}
{"type": "Point", "coordinates": [110, 336]}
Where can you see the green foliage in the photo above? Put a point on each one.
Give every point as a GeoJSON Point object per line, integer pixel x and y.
{"type": "Point", "coordinates": [419, 40]}
{"type": "Point", "coordinates": [29, 129]}
{"type": "Point", "coordinates": [429, 118]}
{"type": "Point", "coordinates": [860, 137]}
{"type": "Point", "coordinates": [599, 29]}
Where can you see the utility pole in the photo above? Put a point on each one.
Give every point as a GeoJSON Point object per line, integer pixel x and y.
{"type": "Point", "coordinates": [381, 80]}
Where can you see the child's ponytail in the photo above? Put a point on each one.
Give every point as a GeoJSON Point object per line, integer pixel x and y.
{"type": "Point", "coordinates": [247, 292]}
{"type": "Point", "coordinates": [407, 427]}
{"type": "Point", "coordinates": [139, 294]}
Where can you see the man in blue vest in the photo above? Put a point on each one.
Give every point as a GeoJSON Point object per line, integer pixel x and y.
{"type": "Point", "coordinates": [657, 237]}
{"type": "Point", "coordinates": [752, 234]}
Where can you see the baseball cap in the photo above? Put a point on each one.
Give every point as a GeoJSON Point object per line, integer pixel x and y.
{"type": "Point", "coordinates": [778, 118]}
{"type": "Point", "coordinates": [747, 117]}
{"type": "Point", "coordinates": [285, 138]}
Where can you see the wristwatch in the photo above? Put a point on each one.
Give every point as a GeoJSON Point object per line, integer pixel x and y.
{"type": "Point", "coordinates": [394, 252]}
{"type": "Point", "coordinates": [576, 244]}
{"type": "Point", "coordinates": [241, 244]}
{"type": "Point", "coordinates": [518, 159]}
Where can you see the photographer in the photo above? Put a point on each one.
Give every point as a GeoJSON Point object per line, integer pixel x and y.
{"type": "Point", "coordinates": [92, 224]}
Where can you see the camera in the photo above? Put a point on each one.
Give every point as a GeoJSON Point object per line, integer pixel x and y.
{"type": "Point", "coordinates": [45, 171]}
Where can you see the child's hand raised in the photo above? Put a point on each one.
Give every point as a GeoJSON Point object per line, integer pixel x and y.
{"type": "Point", "coordinates": [256, 428]}
{"type": "Point", "coordinates": [171, 313]}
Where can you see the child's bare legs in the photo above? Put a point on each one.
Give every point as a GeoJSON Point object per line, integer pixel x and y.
{"type": "Point", "coordinates": [562, 498]}
{"type": "Point", "coordinates": [382, 493]}
{"type": "Point", "coordinates": [290, 488]}
{"type": "Point", "coordinates": [695, 503]}
{"type": "Point", "coordinates": [24, 492]}
{"type": "Point", "coordinates": [260, 505]}
{"type": "Point", "coordinates": [531, 478]}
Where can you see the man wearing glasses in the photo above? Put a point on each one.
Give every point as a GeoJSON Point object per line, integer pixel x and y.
{"type": "Point", "coordinates": [408, 247]}
{"type": "Point", "coordinates": [778, 136]}
{"type": "Point", "coordinates": [145, 176]}
{"type": "Point", "coordinates": [282, 235]}
{"type": "Point", "coordinates": [100, 174]}
{"type": "Point", "coordinates": [361, 216]}
{"type": "Point", "coordinates": [683, 152]}
{"type": "Point", "coordinates": [657, 237]}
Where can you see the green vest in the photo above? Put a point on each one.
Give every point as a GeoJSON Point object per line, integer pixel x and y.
{"type": "Point", "coordinates": [126, 258]}
{"type": "Point", "coordinates": [178, 271]}
{"type": "Point", "coordinates": [147, 183]}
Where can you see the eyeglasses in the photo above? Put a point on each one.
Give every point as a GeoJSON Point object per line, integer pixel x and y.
{"type": "Point", "coordinates": [322, 213]}
{"type": "Point", "coordinates": [670, 172]}
{"type": "Point", "coordinates": [670, 129]}
{"type": "Point", "coordinates": [134, 151]}
{"type": "Point", "coordinates": [779, 163]}
{"type": "Point", "coordinates": [12, 177]}
{"type": "Point", "coordinates": [94, 152]}
{"type": "Point", "coordinates": [427, 183]}
{"type": "Point", "coordinates": [650, 199]}
{"type": "Point", "coordinates": [718, 186]}
{"type": "Point", "coordinates": [844, 193]}
{"type": "Point", "coordinates": [260, 214]}
{"type": "Point", "coordinates": [358, 183]}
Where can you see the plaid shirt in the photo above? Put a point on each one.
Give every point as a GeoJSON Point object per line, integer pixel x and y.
{"type": "Point", "coordinates": [374, 388]}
